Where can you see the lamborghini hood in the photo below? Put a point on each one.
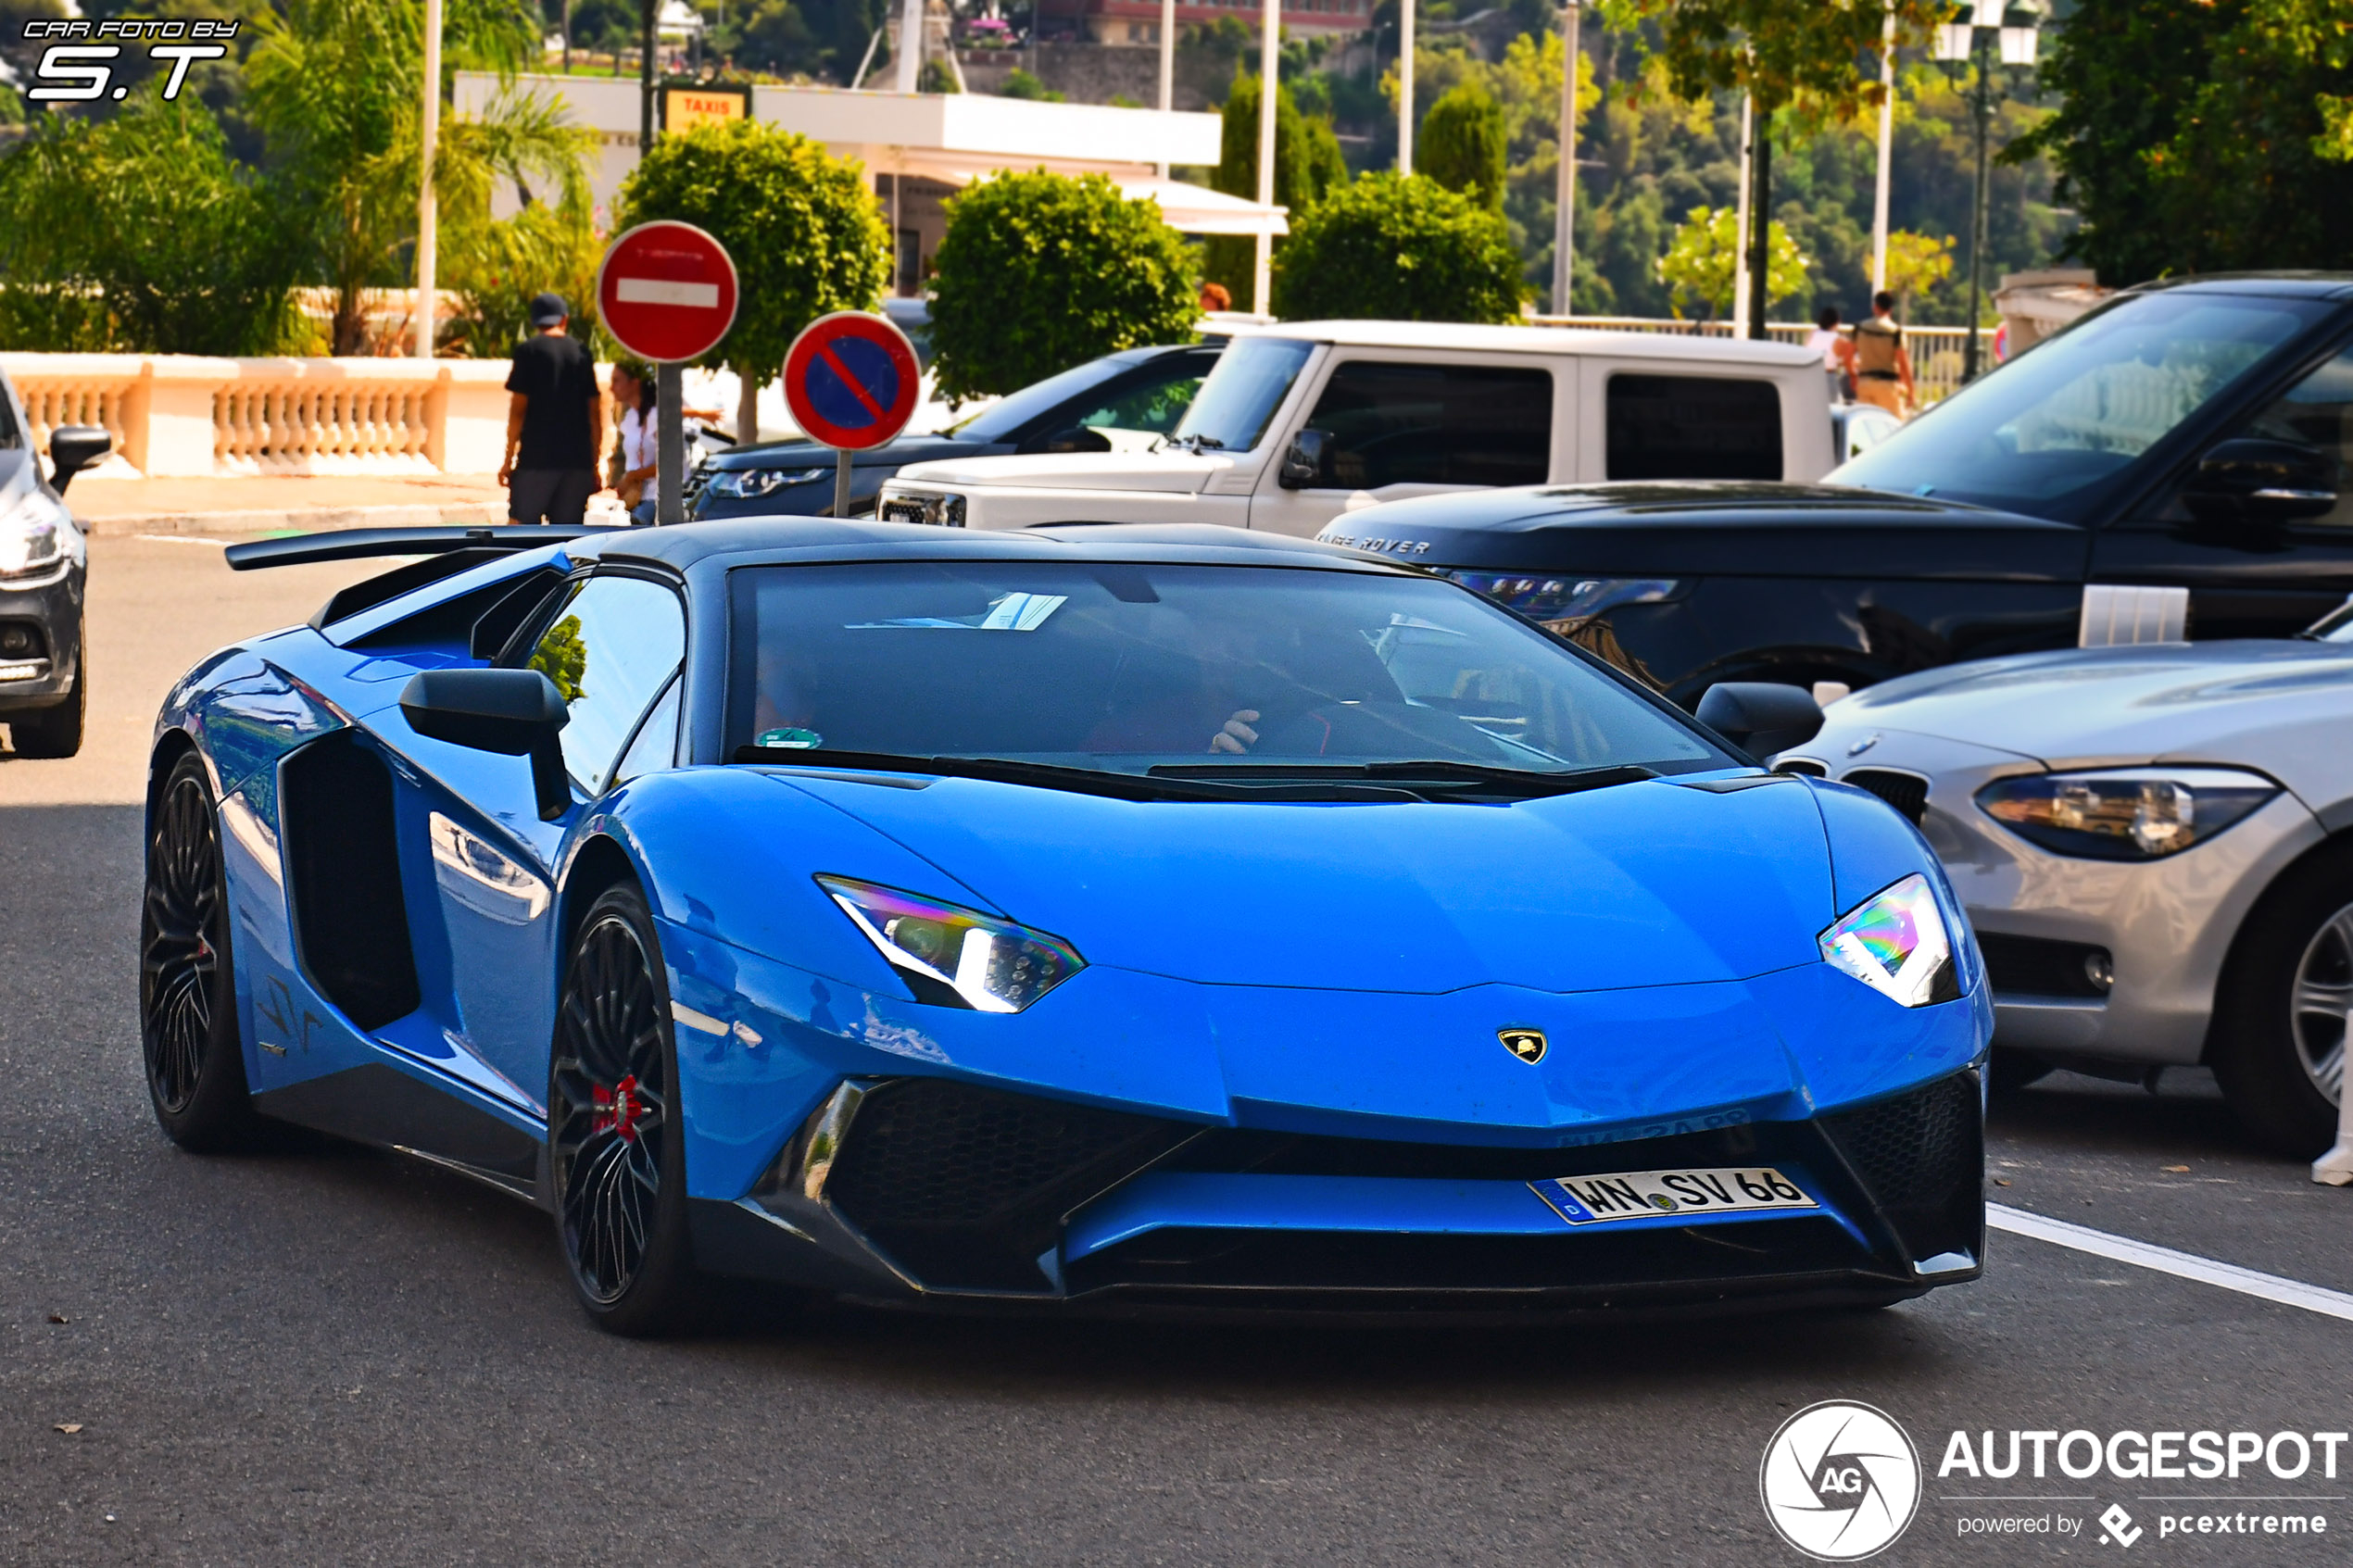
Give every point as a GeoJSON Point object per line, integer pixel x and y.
{"type": "Point", "coordinates": [1641, 885]}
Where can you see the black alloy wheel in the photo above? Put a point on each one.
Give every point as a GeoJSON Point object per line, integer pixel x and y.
{"type": "Point", "coordinates": [187, 994]}
{"type": "Point", "coordinates": [616, 1154]}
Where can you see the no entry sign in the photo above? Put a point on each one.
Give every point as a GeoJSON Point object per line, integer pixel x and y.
{"type": "Point", "coordinates": [851, 380]}
{"type": "Point", "coordinates": [667, 291]}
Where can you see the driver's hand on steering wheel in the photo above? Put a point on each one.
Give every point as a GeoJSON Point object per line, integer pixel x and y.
{"type": "Point", "coordinates": [1238, 737]}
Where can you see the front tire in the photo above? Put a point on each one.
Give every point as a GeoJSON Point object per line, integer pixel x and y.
{"type": "Point", "coordinates": [187, 983]}
{"type": "Point", "coordinates": [2279, 1018]}
{"type": "Point", "coordinates": [56, 731]}
{"type": "Point", "coordinates": [616, 1150]}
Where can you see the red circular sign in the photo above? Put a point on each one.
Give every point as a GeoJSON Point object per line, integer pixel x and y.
{"type": "Point", "coordinates": [851, 380]}
{"type": "Point", "coordinates": [667, 291]}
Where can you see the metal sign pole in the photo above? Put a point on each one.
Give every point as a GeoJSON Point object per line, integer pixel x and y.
{"type": "Point", "coordinates": [670, 457]}
{"type": "Point", "coordinates": [841, 481]}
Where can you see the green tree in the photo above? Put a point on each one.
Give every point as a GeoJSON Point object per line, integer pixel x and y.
{"type": "Point", "coordinates": [141, 232]}
{"type": "Point", "coordinates": [1701, 260]}
{"type": "Point", "coordinates": [334, 87]}
{"type": "Point", "coordinates": [806, 234]}
{"type": "Point", "coordinates": [1526, 87]}
{"type": "Point", "coordinates": [1041, 271]}
{"type": "Point", "coordinates": [563, 659]}
{"type": "Point", "coordinates": [1460, 144]}
{"type": "Point", "coordinates": [1799, 56]}
{"type": "Point", "coordinates": [1398, 248]}
{"type": "Point", "coordinates": [1308, 163]}
{"type": "Point", "coordinates": [2195, 138]}
{"type": "Point", "coordinates": [1020, 83]}
{"type": "Point", "coordinates": [1916, 263]}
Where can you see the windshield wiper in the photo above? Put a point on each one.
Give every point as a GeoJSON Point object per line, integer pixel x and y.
{"type": "Point", "coordinates": [1199, 444]}
{"type": "Point", "coordinates": [1076, 781]}
{"type": "Point", "coordinates": [1523, 781]}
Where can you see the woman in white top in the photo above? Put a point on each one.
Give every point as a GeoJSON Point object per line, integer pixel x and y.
{"type": "Point", "coordinates": [639, 444]}
{"type": "Point", "coordinates": [1836, 347]}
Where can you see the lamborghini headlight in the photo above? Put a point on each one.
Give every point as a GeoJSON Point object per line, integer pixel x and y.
{"type": "Point", "coordinates": [2124, 813]}
{"type": "Point", "coordinates": [955, 957]}
{"type": "Point", "coordinates": [1897, 943]}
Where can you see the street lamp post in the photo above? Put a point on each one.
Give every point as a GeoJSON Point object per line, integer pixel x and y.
{"type": "Point", "coordinates": [1969, 48]}
{"type": "Point", "coordinates": [1565, 205]}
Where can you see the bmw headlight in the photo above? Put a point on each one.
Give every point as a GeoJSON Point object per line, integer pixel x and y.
{"type": "Point", "coordinates": [2124, 813]}
{"type": "Point", "coordinates": [1574, 600]}
{"type": "Point", "coordinates": [29, 537]}
{"type": "Point", "coordinates": [1897, 943]}
{"type": "Point", "coordinates": [749, 484]}
{"type": "Point", "coordinates": [952, 956]}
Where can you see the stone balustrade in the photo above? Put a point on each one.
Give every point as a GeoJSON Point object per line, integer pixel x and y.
{"type": "Point", "coordinates": [186, 416]}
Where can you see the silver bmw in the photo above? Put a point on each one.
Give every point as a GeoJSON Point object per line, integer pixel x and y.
{"type": "Point", "coordinates": [2155, 843]}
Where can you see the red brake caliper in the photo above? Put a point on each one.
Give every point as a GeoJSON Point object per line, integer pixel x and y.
{"type": "Point", "coordinates": [618, 1108]}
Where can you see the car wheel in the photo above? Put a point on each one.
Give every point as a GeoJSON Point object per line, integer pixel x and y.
{"type": "Point", "coordinates": [616, 1152]}
{"type": "Point", "coordinates": [187, 988]}
{"type": "Point", "coordinates": [54, 732]}
{"type": "Point", "coordinates": [2279, 1043]}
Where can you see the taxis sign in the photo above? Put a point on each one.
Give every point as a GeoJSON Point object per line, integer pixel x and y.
{"type": "Point", "coordinates": [684, 106]}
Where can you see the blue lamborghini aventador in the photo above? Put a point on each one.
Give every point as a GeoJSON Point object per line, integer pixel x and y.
{"type": "Point", "coordinates": [1125, 917]}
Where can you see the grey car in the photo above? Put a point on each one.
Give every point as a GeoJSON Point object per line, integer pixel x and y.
{"type": "Point", "coordinates": [2155, 845]}
{"type": "Point", "coordinates": [43, 564]}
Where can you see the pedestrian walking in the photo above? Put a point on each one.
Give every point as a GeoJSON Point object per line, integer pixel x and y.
{"type": "Point", "coordinates": [1883, 368]}
{"type": "Point", "coordinates": [1837, 352]}
{"type": "Point", "coordinates": [555, 421]}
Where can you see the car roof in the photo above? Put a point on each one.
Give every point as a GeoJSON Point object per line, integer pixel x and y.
{"type": "Point", "coordinates": [2310, 286]}
{"type": "Point", "coordinates": [782, 540]}
{"type": "Point", "coordinates": [1538, 340]}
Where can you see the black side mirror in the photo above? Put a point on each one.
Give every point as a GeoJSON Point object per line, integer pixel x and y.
{"type": "Point", "coordinates": [1759, 717]}
{"type": "Point", "coordinates": [73, 448]}
{"type": "Point", "coordinates": [2255, 480]}
{"type": "Point", "coordinates": [1076, 438]}
{"type": "Point", "coordinates": [512, 713]}
{"type": "Point", "coordinates": [1307, 462]}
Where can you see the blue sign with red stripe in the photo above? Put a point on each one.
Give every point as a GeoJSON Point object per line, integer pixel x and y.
{"type": "Point", "coordinates": [852, 380]}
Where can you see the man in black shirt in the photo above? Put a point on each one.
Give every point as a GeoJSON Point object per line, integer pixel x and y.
{"type": "Point", "coordinates": [555, 416]}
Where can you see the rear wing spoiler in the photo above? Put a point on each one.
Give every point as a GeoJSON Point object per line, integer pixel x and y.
{"type": "Point", "coordinates": [358, 543]}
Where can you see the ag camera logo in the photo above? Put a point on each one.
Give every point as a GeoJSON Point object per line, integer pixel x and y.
{"type": "Point", "coordinates": [1839, 1481]}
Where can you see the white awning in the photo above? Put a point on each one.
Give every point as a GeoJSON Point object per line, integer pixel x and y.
{"type": "Point", "coordinates": [1189, 209]}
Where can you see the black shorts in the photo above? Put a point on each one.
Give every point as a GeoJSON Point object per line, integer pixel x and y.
{"type": "Point", "coordinates": [557, 495]}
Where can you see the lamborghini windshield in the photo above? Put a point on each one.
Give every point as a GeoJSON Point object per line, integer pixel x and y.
{"type": "Point", "coordinates": [1129, 667]}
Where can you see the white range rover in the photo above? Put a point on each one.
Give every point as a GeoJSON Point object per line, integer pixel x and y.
{"type": "Point", "coordinates": [1303, 421]}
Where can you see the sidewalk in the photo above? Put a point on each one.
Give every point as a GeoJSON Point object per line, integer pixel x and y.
{"type": "Point", "coordinates": [123, 507]}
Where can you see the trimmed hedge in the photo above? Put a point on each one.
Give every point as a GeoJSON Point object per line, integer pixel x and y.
{"type": "Point", "coordinates": [1398, 248]}
{"type": "Point", "coordinates": [1042, 271]}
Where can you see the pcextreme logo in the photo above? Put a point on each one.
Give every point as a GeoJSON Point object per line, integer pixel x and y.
{"type": "Point", "coordinates": [1839, 1481]}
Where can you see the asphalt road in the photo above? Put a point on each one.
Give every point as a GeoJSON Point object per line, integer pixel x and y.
{"type": "Point", "coordinates": [329, 1355]}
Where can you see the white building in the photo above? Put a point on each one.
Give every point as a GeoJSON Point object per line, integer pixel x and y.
{"type": "Point", "coordinates": [918, 148]}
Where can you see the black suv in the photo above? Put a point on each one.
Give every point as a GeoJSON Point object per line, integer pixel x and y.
{"type": "Point", "coordinates": [2191, 435]}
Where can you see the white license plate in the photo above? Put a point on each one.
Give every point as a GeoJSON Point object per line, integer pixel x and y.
{"type": "Point", "coordinates": [1647, 1194]}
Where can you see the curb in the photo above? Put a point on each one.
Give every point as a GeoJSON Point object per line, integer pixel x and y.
{"type": "Point", "coordinates": [472, 514]}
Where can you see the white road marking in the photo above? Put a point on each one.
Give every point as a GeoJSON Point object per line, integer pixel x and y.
{"type": "Point", "coordinates": [179, 539]}
{"type": "Point", "coordinates": [661, 291]}
{"type": "Point", "coordinates": [2165, 1261]}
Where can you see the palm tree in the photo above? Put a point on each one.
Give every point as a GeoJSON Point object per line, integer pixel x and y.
{"type": "Point", "coordinates": [335, 86]}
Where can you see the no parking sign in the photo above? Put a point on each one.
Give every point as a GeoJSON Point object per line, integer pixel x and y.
{"type": "Point", "coordinates": [851, 380]}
